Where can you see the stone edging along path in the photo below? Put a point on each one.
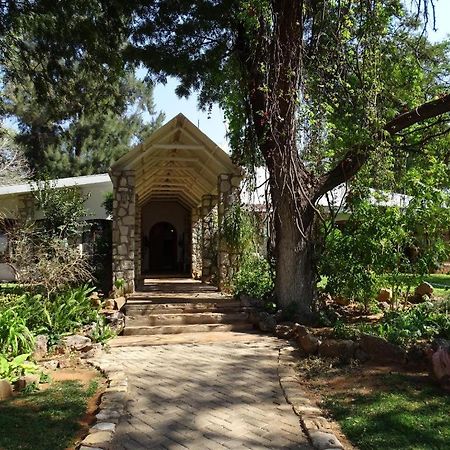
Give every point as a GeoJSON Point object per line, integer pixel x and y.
{"type": "Point", "coordinates": [112, 407]}
{"type": "Point", "coordinates": [113, 401]}
{"type": "Point", "coordinates": [317, 428]}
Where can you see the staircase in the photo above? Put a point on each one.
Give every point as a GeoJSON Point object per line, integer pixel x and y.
{"type": "Point", "coordinates": [180, 305]}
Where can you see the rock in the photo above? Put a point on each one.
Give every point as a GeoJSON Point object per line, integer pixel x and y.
{"type": "Point", "coordinates": [384, 306]}
{"type": "Point", "coordinates": [116, 320]}
{"type": "Point", "coordinates": [5, 390]}
{"type": "Point", "coordinates": [324, 440]}
{"type": "Point", "coordinates": [40, 346]}
{"type": "Point", "coordinates": [120, 303]}
{"type": "Point", "coordinates": [95, 351]}
{"type": "Point", "coordinates": [97, 438]}
{"type": "Point", "coordinates": [253, 317]}
{"type": "Point", "coordinates": [284, 331]}
{"type": "Point", "coordinates": [342, 301]}
{"type": "Point", "coordinates": [308, 343]}
{"type": "Point", "coordinates": [51, 364]}
{"type": "Point", "coordinates": [247, 301]}
{"type": "Point", "coordinates": [440, 362]}
{"type": "Point", "coordinates": [77, 342]}
{"type": "Point", "coordinates": [104, 426]}
{"type": "Point", "coordinates": [360, 354]}
{"type": "Point", "coordinates": [381, 350]}
{"type": "Point", "coordinates": [300, 330]}
{"type": "Point", "coordinates": [109, 304]}
{"type": "Point", "coordinates": [267, 322]}
{"type": "Point", "coordinates": [424, 289]}
{"type": "Point", "coordinates": [384, 295]}
{"type": "Point", "coordinates": [332, 348]}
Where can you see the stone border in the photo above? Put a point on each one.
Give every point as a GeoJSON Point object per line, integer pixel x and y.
{"type": "Point", "coordinates": [111, 409]}
{"type": "Point", "coordinates": [317, 428]}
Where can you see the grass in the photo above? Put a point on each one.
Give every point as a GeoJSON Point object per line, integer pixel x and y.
{"type": "Point", "coordinates": [404, 415]}
{"type": "Point", "coordinates": [45, 420]}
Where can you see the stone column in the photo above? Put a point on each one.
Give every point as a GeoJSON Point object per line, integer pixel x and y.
{"type": "Point", "coordinates": [209, 238]}
{"type": "Point", "coordinates": [196, 243]}
{"type": "Point", "coordinates": [227, 187]}
{"type": "Point", "coordinates": [137, 244]}
{"type": "Point", "coordinates": [123, 234]}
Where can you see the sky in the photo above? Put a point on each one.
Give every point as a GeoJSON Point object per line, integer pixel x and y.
{"type": "Point", "coordinates": [214, 125]}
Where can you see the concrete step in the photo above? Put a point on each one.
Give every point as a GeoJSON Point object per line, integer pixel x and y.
{"type": "Point", "coordinates": [177, 329]}
{"type": "Point", "coordinates": [144, 309]}
{"type": "Point", "coordinates": [186, 319]}
{"type": "Point", "coordinates": [136, 299]}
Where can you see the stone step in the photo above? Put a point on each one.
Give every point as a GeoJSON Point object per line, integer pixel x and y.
{"type": "Point", "coordinates": [186, 319]}
{"type": "Point", "coordinates": [177, 298]}
{"type": "Point", "coordinates": [144, 309]}
{"type": "Point", "coordinates": [177, 329]}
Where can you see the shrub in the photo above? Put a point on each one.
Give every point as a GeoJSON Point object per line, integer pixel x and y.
{"type": "Point", "coordinates": [254, 278]}
{"type": "Point", "coordinates": [13, 369]}
{"type": "Point", "coordinates": [15, 336]}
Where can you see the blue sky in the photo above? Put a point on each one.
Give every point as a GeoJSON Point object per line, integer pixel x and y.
{"type": "Point", "coordinates": [213, 124]}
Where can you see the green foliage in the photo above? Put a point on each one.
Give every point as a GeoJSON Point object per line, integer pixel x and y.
{"type": "Point", "coordinates": [63, 313]}
{"type": "Point", "coordinates": [254, 278]}
{"type": "Point", "coordinates": [15, 336]}
{"type": "Point", "coordinates": [424, 321]}
{"type": "Point", "coordinates": [13, 369]}
{"type": "Point", "coordinates": [107, 203]}
{"type": "Point", "coordinates": [390, 245]}
{"type": "Point", "coordinates": [63, 210]}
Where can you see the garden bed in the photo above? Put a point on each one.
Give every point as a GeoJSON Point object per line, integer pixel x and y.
{"type": "Point", "coordinates": [380, 406]}
{"type": "Point", "coordinates": [57, 416]}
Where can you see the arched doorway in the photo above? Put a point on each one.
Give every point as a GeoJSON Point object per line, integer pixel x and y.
{"type": "Point", "coordinates": [163, 248]}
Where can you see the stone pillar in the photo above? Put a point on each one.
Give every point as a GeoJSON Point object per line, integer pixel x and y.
{"type": "Point", "coordinates": [227, 187]}
{"type": "Point", "coordinates": [124, 222]}
{"type": "Point", "coordinates": [196, 243]}
{"type": "Point", "coordinates": [138, 244]}
{"type": "Point", "coordinates": [209, 238]}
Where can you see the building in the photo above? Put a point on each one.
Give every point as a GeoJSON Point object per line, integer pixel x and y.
{"type": "Point", "coordinates": [170, 194]}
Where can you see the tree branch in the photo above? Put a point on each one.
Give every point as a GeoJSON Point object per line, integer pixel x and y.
{"type": "Point", "coordinates": [354, 159]}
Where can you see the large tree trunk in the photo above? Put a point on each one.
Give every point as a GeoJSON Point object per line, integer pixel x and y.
{"type": "Point", "coordinates": [295, 261]}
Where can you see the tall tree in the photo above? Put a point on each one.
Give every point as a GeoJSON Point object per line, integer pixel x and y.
{"type": "Point", "coordinates": [77, 105]}
{"type": "Point", "coordinates": [296, 78]}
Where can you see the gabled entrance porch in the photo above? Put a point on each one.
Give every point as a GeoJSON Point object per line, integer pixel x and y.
{"type": "Point", "coordinates": [171, 194]}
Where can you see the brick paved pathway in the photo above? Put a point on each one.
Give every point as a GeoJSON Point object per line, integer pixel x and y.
{"type": "Point", "coordinates": [218, 395]}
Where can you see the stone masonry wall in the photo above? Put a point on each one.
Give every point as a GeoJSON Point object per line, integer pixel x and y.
{"type": "Point", "coordinates": [209, 238]}
{"type": "Point", "coordinates": [196, 243]}
{"type": "Point", "coordinates": [228, 189]}
{"type": "Point", "coordinates": [124, 221]}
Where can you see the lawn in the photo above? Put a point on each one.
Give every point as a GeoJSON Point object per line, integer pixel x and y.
{"type": "Point", "coordinates": [49, 419]}
{"type": "Point", "coordinates": [404, 415]}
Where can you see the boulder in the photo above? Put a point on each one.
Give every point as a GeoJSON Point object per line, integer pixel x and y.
{"type": "Point", "coordinates": [95, 300]}
{"type": "Point", "coordinates": [309, 343]}
{"type": "Point", "coordinates": [379, 349]}
{"type": "Point", "coordinates": [5, 390]}
{"type": "Point", "coordinates": [116, 320]}
{"type": "Point", "coordinates": [267, 322]}
{"type": "Point", "coordinates": [332, 348]}
{"type": "Point", "coordinates": [77, 342]}
{"type": "Point", "coordinates": [440, 363]}
{"type": "Point", "coordinates": [300, 330]}
{"type": "Point", "coordinates": [384, 295]}
{"type": "Point", "coordinates": [40, 346]}
{"type": "Point", "coordinates": [284, 331]}
{"type": "Point", "coordinates": [109, 304]}
{"type": "Point", "coordinates": [424, 289]}
{"type": "Point", "coordinates": [341, 301]}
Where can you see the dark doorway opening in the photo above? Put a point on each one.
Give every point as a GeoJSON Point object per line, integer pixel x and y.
{"type": "Point", "coordinates": [163, 248]}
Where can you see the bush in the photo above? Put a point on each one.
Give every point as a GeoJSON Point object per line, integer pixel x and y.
{"type": "Point", "coordinates": [63, 313]}
{"type": "Point", "coordinates": [254, 278]}
{"type": "Point", "coordinates": [13, 369]}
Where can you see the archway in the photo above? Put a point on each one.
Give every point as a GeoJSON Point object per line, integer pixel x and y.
{"type": "Point", "coordinates": [162, 244]}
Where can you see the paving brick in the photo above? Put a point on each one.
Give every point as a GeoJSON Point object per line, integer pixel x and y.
{"type": "Point", "coordinates": [221, 395]}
